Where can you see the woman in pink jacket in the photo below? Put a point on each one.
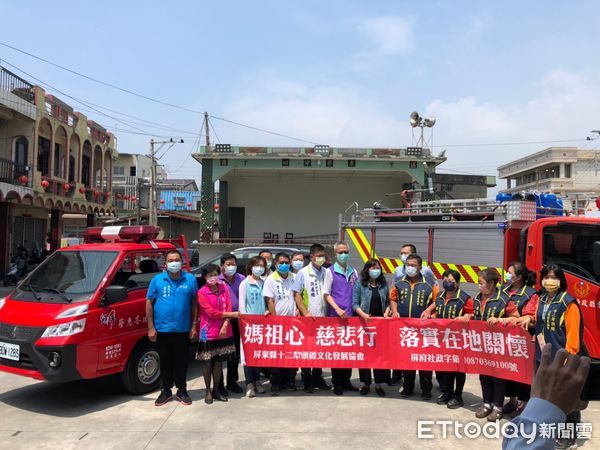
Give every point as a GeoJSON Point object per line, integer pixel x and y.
{"type": "Point", "coordinates": [215, 336]}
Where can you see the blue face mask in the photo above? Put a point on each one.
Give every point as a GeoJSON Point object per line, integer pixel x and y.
{"type": "Point", "coordinates": [342, 257]}
{"type": "Point", "coordinates": [283, 268]}
{"type": "Point", "coordinates": [230, 270]}
{"type": "Point", "coordinates": [374, 273]}
{"type": "Point", "coordinates": [448, 285]}
{"type": "Point", "coordinates": [297, 265]}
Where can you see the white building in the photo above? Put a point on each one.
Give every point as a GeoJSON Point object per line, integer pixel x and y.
{"type": "Point", "coordinates": [560, 170]}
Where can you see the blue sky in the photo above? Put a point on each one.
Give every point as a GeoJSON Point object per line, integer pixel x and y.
{"type": "Point", "coordinates": [337, 72]}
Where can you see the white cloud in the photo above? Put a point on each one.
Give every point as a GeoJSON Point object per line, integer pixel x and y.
{"type": "Point", "coordinates": [562, 105]}
{"type": "Point", "coordinates": [389, 35]}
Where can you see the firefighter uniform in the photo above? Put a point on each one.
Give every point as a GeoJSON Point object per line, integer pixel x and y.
{"type": "Point", "coordinates": [412, 300]}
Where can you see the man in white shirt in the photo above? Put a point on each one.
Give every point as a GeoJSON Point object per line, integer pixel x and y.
{"type": "Point", "coordinates": [308, 292]}
{"type": "Point", "coordinates": [279, 296]}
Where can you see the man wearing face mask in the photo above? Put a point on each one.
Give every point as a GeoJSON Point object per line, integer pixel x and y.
{"type": "Point", "coordinates": [308, 292]}
{"type": "Point", "coordinates": [230, 276]}
{"type": "Point", "coordinates": [405, 252]}
{"type": "Point", "coordinates": [410, 297]}
{"type": "Point", "coordinates": [279, 296]}
{"type": "Point", "coordinates": [268, 255]}
{"type": "Point", "coordinates": [337, 289]}
{"type": "Point", "coordinates": [172, 315]}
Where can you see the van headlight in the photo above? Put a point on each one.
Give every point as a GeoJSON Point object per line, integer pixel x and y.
{"type": "Point", "coordinates": [65, 329]}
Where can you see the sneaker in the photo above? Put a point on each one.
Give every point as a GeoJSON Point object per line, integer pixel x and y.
{"type": "Point", "coordinates": [338, 389]}
{"type": "Point", "coordinates": [258, 388]}
{"type": "Point", "coordinates": [165, 397]}
{"type": "Point", "coordinates": [323, 385]}
{"type": "Point", "coordinates": [565, 443]}
{"type": "Point", "coordinates": [455, 402]}
{"type": "Point", "coordinates": [426, 396]}
{"type": "Point", "coordinates": [443, 399]}
{"type": "Point", "coordinates": [483, 411]}
{"type": "Point", "coordinates": [495, 415]}
{"type": "Point", "coordinates": [379, 391]}
{"type": "Point", "coordinates": [509, 407]}
{"type": "Point", "coordinates": [250, 392]}
{"type": "Point", "coordinates": [183, 397]}
{"type": "Point", "coordinates": [395, 380]}
{"type": "Point", "coordinates": [235, 388]}
{"type": "Point", "coordinates": [364, 390]}
{"type": "Point", "coordinates": [405, 393]}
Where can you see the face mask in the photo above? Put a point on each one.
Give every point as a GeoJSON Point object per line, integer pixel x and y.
{"type": "Point", "coordinates": [374, 273]}
{"type": "Point", "coordinates": [230, 270]}
{"type": "Point", "coordinates": [403, 258]}
{"type": "Point", "coordinates": [411, 271]}
{"type": "Point", "coordinates": [297, 265]}
{"type": "Point", "coordinates": [551, 285]}
{"type": "Point", "coordinates": [269, 263]}
{"type": "Point", "coordinates": [448, 285]}
{"type": "Point", "coordinates": [283, 268]}
{"type": "Point", "coordinates": [257, 271]}
{"type": "Point", "coordinates": [174, 266]}
{"type": "Point", "coordinates": [211, 281]}
{"type": "Point", "coordinates": [342, 257]}
{"type": "Point", "coordinates": [320, 261]}
{"type": "Point", "coordinates": [508, 277]}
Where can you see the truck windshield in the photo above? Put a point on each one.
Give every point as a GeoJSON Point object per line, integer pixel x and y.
{"type": "Point", "coordinates": [66, 276]}
{"type": "Point", "coordinates": [571, 246]}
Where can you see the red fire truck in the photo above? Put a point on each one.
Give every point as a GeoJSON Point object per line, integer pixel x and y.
{"type": "Point", "coordinates": [472, 235]}
{"type": "Point", "coordinates": [81, 313]}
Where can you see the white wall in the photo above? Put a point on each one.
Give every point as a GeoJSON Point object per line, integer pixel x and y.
{"type": "Point", "coordinates": [303, 206]}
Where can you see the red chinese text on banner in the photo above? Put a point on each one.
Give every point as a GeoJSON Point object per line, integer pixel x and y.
{"type": "Point", "coordinates": [410, 344]}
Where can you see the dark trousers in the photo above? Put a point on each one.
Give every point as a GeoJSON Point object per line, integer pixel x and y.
{"type": "Point", "coordinates": [493, 390]}
{"type": "Point", "coordinates": [341, 377]}
{"type": "Point", "coordinates": [173, 350]}
{"type": "Point", "coordinates": [252, 374]}
{"type": "Point", "coordinates": [280, 377]}
{"type": "Point", "coordinates": [425, 377]}
{"type": "Point", "coordinates": [234, 363]}
{"type": "Point", "coordinates": [380, 375]}
{"type": "Point", "coordinates": [520, 390]}
{"type": "Point", "coordinates": [396, 373]}
{"type": "Point", "coordinates": [452, 383]}
{"type": "Point", "coordinates": [311, 376]}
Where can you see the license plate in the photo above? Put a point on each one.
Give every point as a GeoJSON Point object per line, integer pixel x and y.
{"type": "Point", "coordinates": [9, 351]}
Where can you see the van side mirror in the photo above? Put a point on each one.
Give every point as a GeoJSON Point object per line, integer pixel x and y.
{"type": "Point", "coordinates": [114, 294]}
{"type": "Point", "coordinates": [596, 257]}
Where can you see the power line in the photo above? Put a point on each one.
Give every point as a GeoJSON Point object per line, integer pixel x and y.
{"type": "Point", "coordinates": [214, 131]}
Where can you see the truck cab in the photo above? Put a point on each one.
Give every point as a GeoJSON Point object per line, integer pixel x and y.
{"type": "Point", "coordinates": [81, 313]}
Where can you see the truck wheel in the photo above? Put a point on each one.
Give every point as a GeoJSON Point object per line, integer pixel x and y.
{"type": "Point", "coordinates": [142, 373]}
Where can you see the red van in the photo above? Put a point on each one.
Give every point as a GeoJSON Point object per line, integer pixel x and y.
{"type": "Point", "coordinates": [81, 313]}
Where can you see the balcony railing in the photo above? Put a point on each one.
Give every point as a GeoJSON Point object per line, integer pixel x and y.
{"type": "Point", "coordinates": [57, 187]}
{"type": "Point", "coordinates": [12, 173]}
{"type": "Point", "coordinates": [17, 85]}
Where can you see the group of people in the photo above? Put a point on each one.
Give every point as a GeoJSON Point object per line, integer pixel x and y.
{"type": "Point", "coordinates": [284, 285]}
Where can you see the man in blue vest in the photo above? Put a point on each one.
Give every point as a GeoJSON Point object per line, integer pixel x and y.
{"type": "Point", "coordinates": [172, 315]}
{"type": "Point", "coordinates": [410, 297]}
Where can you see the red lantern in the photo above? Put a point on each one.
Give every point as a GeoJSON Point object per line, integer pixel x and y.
{"type": "Point", "coordinates": [216, 207]}
{"type": "Point", "coordinates": [96, 193]}
{"type": "Point", "coordinates": [82, 190]}
{"type": "Point", "coordinates": [134, 199]}
{"type": "Point", "coordinates": [126, 197]}
{"type": "Point", "coordinates": [189, 204]}
{"type": "Point", "coordinates": [23, 180]}
{"type": "Point", "coordinates": [45, 184]}
{"type": "Point", "coordinates": [106, 194]}
{"type": "Point", "coordinates": [162, 201]}
{"type": "Point", "coordinates": [119, 196]}
{"type": "Point", "coordinates": [66, 187]}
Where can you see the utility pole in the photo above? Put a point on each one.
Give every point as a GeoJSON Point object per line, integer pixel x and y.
{"type": "Point", "coordinates": [153, 217]}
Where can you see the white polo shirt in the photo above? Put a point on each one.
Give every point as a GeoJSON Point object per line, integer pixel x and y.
{"type": "Point", "coordinates": [280, 290]}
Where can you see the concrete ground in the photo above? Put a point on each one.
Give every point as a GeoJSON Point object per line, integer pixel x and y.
{"type": "Point", "coordinates": [99, 414]}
